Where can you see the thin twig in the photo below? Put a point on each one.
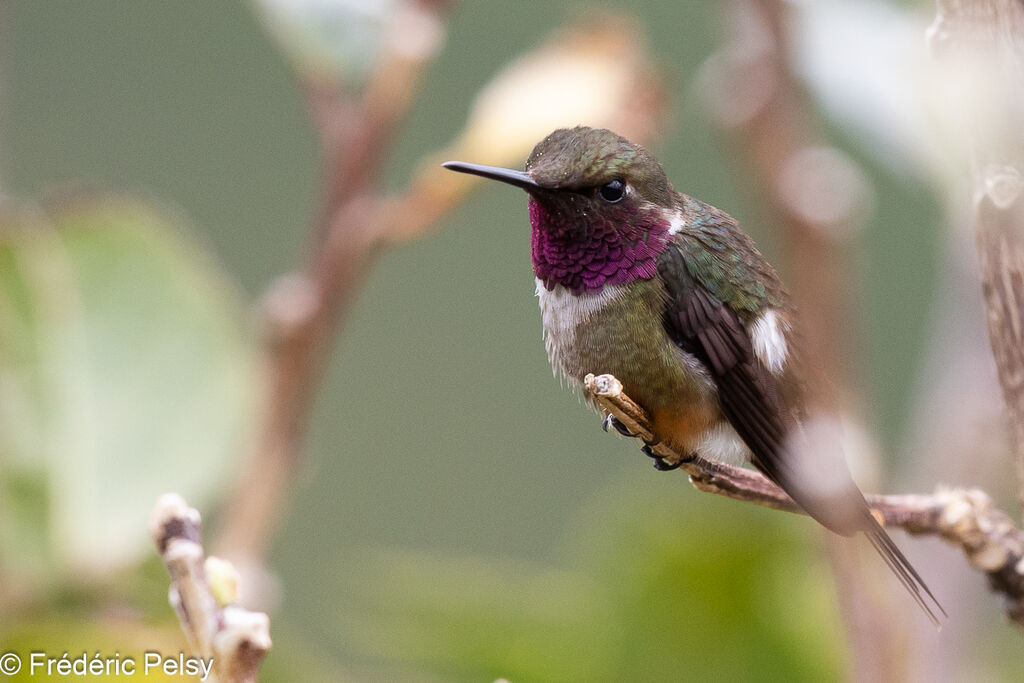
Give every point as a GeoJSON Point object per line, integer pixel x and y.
{"type": "Point", "coordinates": [228, 639]}
{"type": "Point", "coordinates": [964, 517]}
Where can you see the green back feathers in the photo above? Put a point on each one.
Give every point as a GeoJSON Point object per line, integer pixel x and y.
{"type": "Point", "coordinates": [724, 260]}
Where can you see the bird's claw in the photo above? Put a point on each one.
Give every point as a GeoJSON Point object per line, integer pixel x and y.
{"type": "Point", "coordinates": [660, 462]}
{"type": "Point", "coordinates": [614, 422]}
{"type": "Point", "coordinates": [663, 465]}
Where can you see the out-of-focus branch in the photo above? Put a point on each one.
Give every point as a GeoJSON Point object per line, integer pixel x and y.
{"type": "Point", "coordinates": [812, 195]}
{"type": "Point", "coordinates": [981, 43]}
{"type": "Point", "coordinates": [355, 136]}
{"type": "Point", "coordinates": [302, 310]}
{"type": "Point", "coordinates": [1000, 233]}
{"type": "Point", "coordinates": [963, 517]}
{"type": "Point", "coordinates": [230, 640]}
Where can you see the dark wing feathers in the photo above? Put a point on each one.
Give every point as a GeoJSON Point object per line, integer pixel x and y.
{"type": "Point", "coordinates": [748, 394]}
{"type": "Point", "coordinates": [703, 325]}
{"type": "Point", "coordinates": [715, 335]}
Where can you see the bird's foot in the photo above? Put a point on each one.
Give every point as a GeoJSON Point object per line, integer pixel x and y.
{"type": "Point", "coordinates": [660, 462]}
{"type": "Point", "coordinates": [614, 422]}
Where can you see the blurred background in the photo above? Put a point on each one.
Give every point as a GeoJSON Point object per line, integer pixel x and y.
{"type": "Point", "coordinates": [456, 514]}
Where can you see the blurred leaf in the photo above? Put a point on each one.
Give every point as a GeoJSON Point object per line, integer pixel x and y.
{"type": "Point", "coordinates": [126, 370]}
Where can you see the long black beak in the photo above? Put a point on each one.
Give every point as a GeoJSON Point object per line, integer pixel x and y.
{"type": "Point", "coordinates": [506, 175]}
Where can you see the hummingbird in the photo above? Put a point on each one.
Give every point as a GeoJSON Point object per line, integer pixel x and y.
{"type": "Point", "coordinates": [667, 293]}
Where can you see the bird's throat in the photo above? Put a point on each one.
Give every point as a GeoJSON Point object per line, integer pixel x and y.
{"type": "Point", "coordinates": [584, 252]}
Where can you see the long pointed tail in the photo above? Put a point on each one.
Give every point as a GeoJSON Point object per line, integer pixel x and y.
{"type": "Point", "coordinates": [905, 572]}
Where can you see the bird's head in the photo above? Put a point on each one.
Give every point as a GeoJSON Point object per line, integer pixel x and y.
{"type": "Point", "coordinates": [600, 207]}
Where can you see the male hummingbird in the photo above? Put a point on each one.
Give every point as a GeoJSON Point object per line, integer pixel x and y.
{"type": "Point", "coordinates": [670, 296]}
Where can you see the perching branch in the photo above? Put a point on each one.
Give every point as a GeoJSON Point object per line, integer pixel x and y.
{"type": "Point", "coordinates": [231, 639]}
{"type": "Point", "coordinates": [964, 517]}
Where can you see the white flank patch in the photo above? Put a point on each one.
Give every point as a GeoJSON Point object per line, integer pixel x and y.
{"type": "Point", "coordinates": [723, 444]}
{"type": "Point", "coordinates": [561, 311]}
{"type": "Point", "coordinates": [676, 222]}
{"type": "Point", "coordinates": [768, 334]}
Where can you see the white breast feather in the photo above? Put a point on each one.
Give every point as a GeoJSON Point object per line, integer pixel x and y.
{"type": "Point", "coordinates": [561, 311]}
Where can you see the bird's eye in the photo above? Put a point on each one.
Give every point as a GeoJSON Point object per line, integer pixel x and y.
{"type": "Point", "coordinates": [612, 192]}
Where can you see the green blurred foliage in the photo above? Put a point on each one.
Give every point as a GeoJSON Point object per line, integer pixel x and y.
{"type": "Point", "coordinates": [121, 343]}
{"type": "Point", "coordinates": [116, 637]}
{"type": "Point", "coordinates": [632, 599]}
